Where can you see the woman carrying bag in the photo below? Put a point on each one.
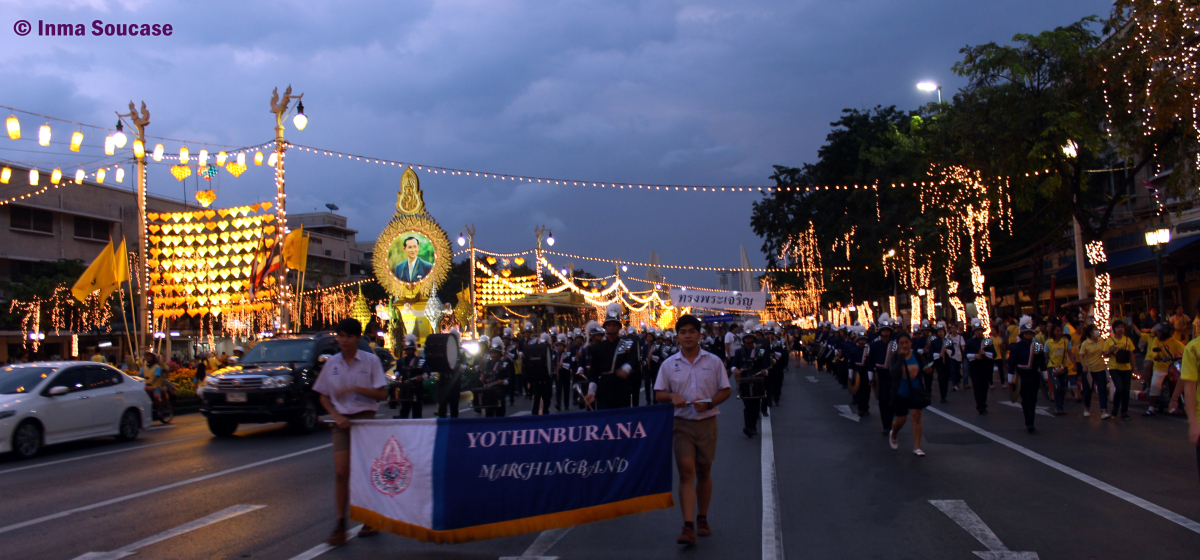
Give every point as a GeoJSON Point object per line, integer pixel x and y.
{"type": "Point", "coordinates": [909, 392]}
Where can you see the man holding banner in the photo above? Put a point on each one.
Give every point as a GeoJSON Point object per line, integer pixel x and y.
{"type": "Point", "coordinates": [696, 382]}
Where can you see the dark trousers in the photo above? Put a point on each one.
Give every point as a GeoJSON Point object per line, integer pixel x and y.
{"type": "Point", "coordinates": [775, 384]}
{"type": "Point", "coordinates": [955, 369]}
{"type": "Point", "coordinates": [883, 383]}
{"type": "Point", "coordinates": [1060, 390]}
{"type": "Point", "coordinates": [750, 412]}
{"type": "Point", "coordinates": [942, 369]}
{"type": "Point", "coordinates": [562, 390]}
{"type": "Point", "coordinates": [635, 390]}
{"type": "Point", "coordinates": [1098, 379]}
{"type": "Point", "coordinates": [981, 381]}
{"type": "Point", "coordinates": [410, 409]}
{"type": "Point", "coordinates": [648, 380]}
{"type": "Point", "coordinates": [541, 396]}
{"type": "Point", "coordinates": [840, 371]}
{"type": "Point", "coordinates": [1121, 380]}
{"type": "Point", "coordinates": [862, 399]}
{"type": "Point", "coordinates": [448, 400]}
{"type": "Point", "coordinates": [1031, 383]}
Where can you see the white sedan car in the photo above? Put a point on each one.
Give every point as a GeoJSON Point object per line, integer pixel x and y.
{"type": "Point", "coordinates": [43, 403]}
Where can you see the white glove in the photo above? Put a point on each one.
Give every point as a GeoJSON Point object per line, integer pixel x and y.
{"type": "Point", "coordinates": [936, 355]}
{"type": "Point", "coordinates": [591, 389]}
{"type": "Point", "coordinates": [988, 354]}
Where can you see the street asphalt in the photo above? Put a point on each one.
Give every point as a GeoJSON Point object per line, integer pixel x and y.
{"type": "Point", "coordinates": [1080, 488]}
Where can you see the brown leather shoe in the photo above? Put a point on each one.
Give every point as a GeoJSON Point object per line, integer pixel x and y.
{"type": "Point", "coordinates": [702, 528]}
{"type": "Point", "coordinates": [338, 536]}
{"type": "Point", "coordinates": [688, 536]}
{"type": "Point", "coordinates": [367, 531]}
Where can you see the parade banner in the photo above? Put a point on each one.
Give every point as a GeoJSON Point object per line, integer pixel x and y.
{"type": "Point", "coordinates": [749, 301]}
{"type": "Point", "coordinates": [460, 480]}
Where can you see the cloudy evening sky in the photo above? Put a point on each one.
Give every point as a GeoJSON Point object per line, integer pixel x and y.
{"type": "Point", "coordinates": [690, 93]}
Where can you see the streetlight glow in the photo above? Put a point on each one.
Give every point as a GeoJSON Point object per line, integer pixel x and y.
{"type": "Point", "coordinates": [927, 86]}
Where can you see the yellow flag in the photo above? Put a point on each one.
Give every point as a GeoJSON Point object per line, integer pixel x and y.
{"type": "Point", "coordinates": [98, 276]}
{"type": "Point", "coordinates": [121, 264]}
{"type": "Point", "coordinates": [295, 249]}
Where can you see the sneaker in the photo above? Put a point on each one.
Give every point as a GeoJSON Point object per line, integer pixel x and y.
{"type": "Point", "coordinates": [918, 453]}
{"type": "Point", "coordinates": [1105, 416]}
{"type": "Point", "coordinates": [688, 536]}
{"type": "Point", "coordinates": [367, 531]}
{"type": "Point", "coordinates": [1087, 413]}
{"type": "Point", "coordinates": [1126, 417]}
{"type": "Point", "coordinates": [1149, 412]}
{"type": "Point", "coordinates": [892, 441]}
{"type": "Point", "coordinates": [702, 528]}
{"type": "Point", "coordinates": [338, 536]}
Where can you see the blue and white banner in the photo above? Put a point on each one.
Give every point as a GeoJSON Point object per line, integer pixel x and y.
{"type": "Point", "coordinates": [468, 479]}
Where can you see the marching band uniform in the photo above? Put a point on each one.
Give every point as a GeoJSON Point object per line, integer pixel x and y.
{"type": "Point", "coordinates": [860, 362]}
{"type": "Point", "coordinates": [412, 370]}
{"type": "Point", "coordinates": [634, 381]}
{"type": "Point", "coordinates": [775, 377]}
{"type": "Point", "coordinates": [606, 360]}
{"type": "Point", "coordinates": [496, 369]}
{"type": "Point", "coordinates": [537, 368]}
{"type": "Point", "coordinates": [563, 360]}
{"type": "Point", "coordinates": [980, 355]}
{"type": "Point", "coordinates": [941, 368]}
{"type": "Point", "coordinates": [881, 353]}
{"type": "Point", "coordinates": [749, 360]}
{"type": "Point", "coordinates": [1026, 364]}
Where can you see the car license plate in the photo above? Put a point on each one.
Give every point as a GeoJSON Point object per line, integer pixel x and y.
{"type": "Point", "coordinates": [235, 397]}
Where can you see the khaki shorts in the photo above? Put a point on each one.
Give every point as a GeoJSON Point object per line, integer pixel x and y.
{"type": "Point", "coordinates": [695, 439]}
{"type": "Point", "coordinates": [341, 438]}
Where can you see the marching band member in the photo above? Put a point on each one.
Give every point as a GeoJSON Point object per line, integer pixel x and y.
{"type": "Point", "coordinates": [610, 363]}
{"type": "Point", "coordinates": [860, 364]}
{"type": "Point", "coordinates": [1025, 362]}
{"type": "Point", "coordinates": [564, 358]}
{"type": "Point", "coordinates": [980, 355]}
{"type": "Point", "coordinates": [495, 379]}
{"type": "Point", "coordinates": [881, 379]}
{"type": "Point", "coordinates": [750, 361]}
{"type": "Point", "coordinates": [411, 372]}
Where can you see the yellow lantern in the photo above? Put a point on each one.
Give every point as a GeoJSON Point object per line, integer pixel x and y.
{"type": "Point", "coordinates": [139, 149]}
{"type": "Point", "coordinates": [120, 174]}
{"type": "Point", "coordinates": [158, 152]}
{"type": "Point", "coordinates": [241, 159]}
{"type": "Point", "coordinates": [5, 174]}
{"type": "Point", "coordinates": [203, 157]}
{"type": "Point", "coordinates": [273, 159]}
{"type": "Point", "coordinates": [56, 176]}
{"type": "Point", "coordinates": [258, 158]}
{"type": "Point", "coordinates": [14, 127]}
{"type": "Point", "coordinates": [76, 140]}
{"type": "Point", "coordinates": [44, 135]}
{"type": "Point", "coordinates": [79, 175]}
{"type": "Point", "coordinates": [100, 175]}
{"type": "Point", "coordinates": [183, 154]}
{"type": "Point", "coordinates": [221, 155]}
{"type": "Point", "coordinates": [33, 177]}
{"type": "Point", "coordinates": [110, 146]}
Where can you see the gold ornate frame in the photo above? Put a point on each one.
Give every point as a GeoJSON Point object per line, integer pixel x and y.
{"type": "Point", "coordinates": [411, 216]}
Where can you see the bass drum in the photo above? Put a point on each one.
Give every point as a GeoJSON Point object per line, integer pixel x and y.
{"type": "Point", "coordinates": [441, 352]}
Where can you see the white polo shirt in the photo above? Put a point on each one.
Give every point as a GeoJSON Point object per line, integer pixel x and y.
{"type": "Point", "coordinates": [701, 379]}
{"type": "Point", "coordinates": [337, 377]}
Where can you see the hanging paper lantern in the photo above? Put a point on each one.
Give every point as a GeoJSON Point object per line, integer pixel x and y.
{"type": "Point", "coordinates": [206, 198]}
{"type": "Point", "coordinates": [258, 158]}
{"type": "Point", "coordinates": [235, 169]}
{"type": "Point", "coordinates": [44, 135]}
{"type": "Point", "coordinates": [76, 140]}
{"type": "Point", "coordinates": [14, 127]}
{"type": "Point", "coordinates": [120, 174]}
{"type": "Point", "coordinates": [273, 159]}
{"type": "Point", "coordinates": [79, 175]}
{"type": "Point", "coordinates": [110, 145]}
{"type": "Point", "coordinates": [100, 175]}
{"type": "Point", "coordinates": [33, 177]}
{"type": "Point", "coordinates": [5, 175]}
{"type": "Point", "coordinates": [181, 172]}
{"type": "Point", "coordinates": [158, 152]}
{"type": "Point", "coordinates": [491, 260]}
{"type": "Point", "coordinates": [221, 155]}
{"type": "Point", "coordinates": [183, 154]}
{"type": "Point", "coordinates": [209, 172]}
{"type": "Point", "coordinates": [56, 176]}
{"type": "Point", "coordinates": [139, 149]}
{"type": "Point", "coordinates": [520, 261]}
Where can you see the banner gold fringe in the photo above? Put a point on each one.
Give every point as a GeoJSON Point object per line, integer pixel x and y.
{"type": "Point", "coordinates": [515, 526]}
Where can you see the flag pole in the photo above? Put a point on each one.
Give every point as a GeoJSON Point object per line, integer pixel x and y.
{"type": "Point", "coordinates": [121, 299]}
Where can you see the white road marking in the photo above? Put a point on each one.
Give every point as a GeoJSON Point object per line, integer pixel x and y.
{"type": "Point", "coordinates": [129, 550]}
{"type": "Point", "coordinates": [157, 489]}
{"type": "Point", "coordinates": [811, 378]}
{"type": "Point", "coordinates": [101, 454]}
{"type": "Point", "coordinates": [1039, 410]}
{"type": "Point", "coordinates": [962, 514]}
{"type": "Point", "coordinates": [325, 547]}
{"type": "Point", "coordinates": [845, 411]}
{"type": "Point", "coordinates": [540, 545]}
{"type": "Point", "coordinates": [772, 537]}
{"type": "Point", "coordinates": [1150, 507]}
{"type": "Point", "coordinates": [521, 413]}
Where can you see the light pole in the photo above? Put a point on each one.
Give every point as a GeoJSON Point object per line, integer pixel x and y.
{"type": "Point", "coordinates": [1157, 239]}
{"type": "Point", "coordinates": [470, 239]}
{"type": "Point", "coordinates": [542, 233]}
{"type": "Point", "coordinates": [281, 110]}
{"type": "Point", "coordinates": [143, 275]}
{"type": "Point", "coordinates": [931, 86]}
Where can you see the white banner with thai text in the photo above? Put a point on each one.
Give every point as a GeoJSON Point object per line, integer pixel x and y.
{"type": "Point", "coordinates": [747, 301]}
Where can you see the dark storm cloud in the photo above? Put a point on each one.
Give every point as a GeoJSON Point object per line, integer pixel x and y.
{"type": "Point", "coordinates": [706, 93]}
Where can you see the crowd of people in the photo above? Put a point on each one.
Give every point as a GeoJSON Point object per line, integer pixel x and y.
{"type": "Point", "coordinates": [1062, 358]}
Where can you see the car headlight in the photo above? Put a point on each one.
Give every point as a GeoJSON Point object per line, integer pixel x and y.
{"type": "Point", "coordinates": [7, 414]}
{"type": "Point", "coordinates": [277, 382]}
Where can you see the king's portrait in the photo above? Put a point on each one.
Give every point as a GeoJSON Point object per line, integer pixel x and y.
{"type": "Point", "coordinates": [414, 259]}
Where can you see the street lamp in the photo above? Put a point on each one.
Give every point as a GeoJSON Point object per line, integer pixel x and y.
{"type": "Point", "coordinates": [931, 86]}
{"type": "Point", "coordinates": [1070, 149]}
{"type": "Point", "coordinates": [1157, 239]}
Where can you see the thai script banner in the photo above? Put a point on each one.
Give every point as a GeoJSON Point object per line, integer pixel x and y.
{"type": "Point", "coordinates": [749, 301]}
{"type": "Point", "coordinates": [461, 480]}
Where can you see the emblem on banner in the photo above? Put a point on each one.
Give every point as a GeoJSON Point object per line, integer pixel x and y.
{"type": "Point", "coordinates": [391, 472]}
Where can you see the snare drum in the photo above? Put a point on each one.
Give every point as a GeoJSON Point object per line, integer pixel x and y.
{"type": "Point", "coordinates": [752, 388]}
{"type": "Point", "coordinates": [486, 398]}
{"type": "Point", "coordinates": [408, 390]}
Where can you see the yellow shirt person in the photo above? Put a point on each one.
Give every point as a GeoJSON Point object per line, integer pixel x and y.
{"type": "Point", "coordinates": [1091, 353]}
{"type": "Point", "coordinates": [1057, 353]}
{"type": "Point", "coordinates": [1121, 343]}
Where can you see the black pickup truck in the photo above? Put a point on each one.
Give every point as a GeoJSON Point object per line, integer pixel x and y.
{"type": "Point", "coordinates": [272, 382]}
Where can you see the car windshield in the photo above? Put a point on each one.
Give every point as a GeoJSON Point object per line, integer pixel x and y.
{"type": "Point", "coordinates": [277, 351]}
{"type": "Point", "coordinates": [22, 380]}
